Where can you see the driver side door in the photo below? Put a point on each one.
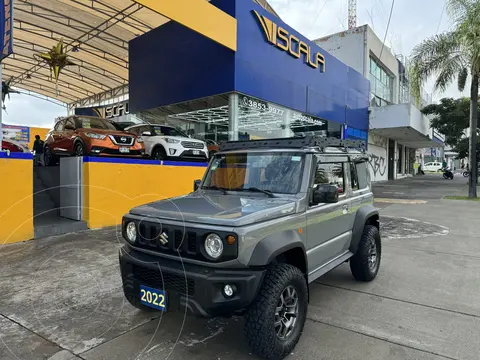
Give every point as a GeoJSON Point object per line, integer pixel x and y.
{"type": "Point", "coordinates": [328, 226]}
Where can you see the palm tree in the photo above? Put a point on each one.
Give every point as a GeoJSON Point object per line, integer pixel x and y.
{"type": "Point", "coordinates": [454, 55]}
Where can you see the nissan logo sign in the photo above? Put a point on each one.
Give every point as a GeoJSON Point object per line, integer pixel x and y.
{"type": "Point", "coordinates": [123, 139]}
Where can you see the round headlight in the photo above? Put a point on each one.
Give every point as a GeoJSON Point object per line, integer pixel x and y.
{"type": "Point", "coordinates": [131, 232]}
{"type": "Point", "coordinates": [214, 246]}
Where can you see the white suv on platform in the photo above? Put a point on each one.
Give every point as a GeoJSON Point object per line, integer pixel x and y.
{"type": "Point", "coordinates": [164, 142]}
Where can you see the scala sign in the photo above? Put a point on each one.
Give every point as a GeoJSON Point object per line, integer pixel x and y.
{"type": "Point", "coordinates": [283, 40]}
{"type": "Point", "coordinates": [6, 27]}
{"type": "Point", "coordinates": [116, 110]}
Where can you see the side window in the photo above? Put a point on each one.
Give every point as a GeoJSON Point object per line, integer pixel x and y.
{"type": "Point", "coordinates": [363, 175]}
{"type": "Point", "coordinates": [135, 130]}
{"type": "Point", "coordinates": [354, 176]}
{"type": "Point", "coordinates": [331, 174]}
{"type": "Point", "coordinates": [69, 124]}
{"type": "Point", "coordinates": [59, 125]}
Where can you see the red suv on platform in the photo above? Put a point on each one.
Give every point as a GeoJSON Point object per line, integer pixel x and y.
{"type": "Point", "coordinates": [85, 135]}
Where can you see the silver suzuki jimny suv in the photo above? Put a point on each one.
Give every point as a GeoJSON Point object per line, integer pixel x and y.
{"type": "Point", "coordinates": [268, 218]}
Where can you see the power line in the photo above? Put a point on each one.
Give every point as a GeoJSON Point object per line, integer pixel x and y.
{"type": "Point", "coordinates": [319, 12]}
{"type": "Point", "coordinates": [441, 16]}
{"type": "Point", "coordinates": [386, 30]}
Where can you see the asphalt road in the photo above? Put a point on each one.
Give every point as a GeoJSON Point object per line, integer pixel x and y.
{"type": "Point", "coordinates": [61, 298]}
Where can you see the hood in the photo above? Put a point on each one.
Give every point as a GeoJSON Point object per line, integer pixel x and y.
{"type": "Point", "coordinates": [223, 210]}
{"type": "Point", "coordinates": [181, 138]}
{"type": "Point", "coordinates": [108, 132]}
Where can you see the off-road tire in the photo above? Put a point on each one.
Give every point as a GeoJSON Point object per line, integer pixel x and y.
{"type": "Point", "coordinates": [260, 316]}
{"type": "Point", "coordinates": [359, 263]}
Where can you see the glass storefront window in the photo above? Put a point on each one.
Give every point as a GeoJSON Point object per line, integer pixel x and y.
{"type": "Point", "coordinates": [261, 120]}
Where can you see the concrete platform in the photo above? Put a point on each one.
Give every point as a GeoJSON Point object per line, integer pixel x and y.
{"type": "Point", "coordinates": [61, 299]}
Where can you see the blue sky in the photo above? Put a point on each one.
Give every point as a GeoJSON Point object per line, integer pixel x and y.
{"type": "Point", "coordinates": [412, 21]}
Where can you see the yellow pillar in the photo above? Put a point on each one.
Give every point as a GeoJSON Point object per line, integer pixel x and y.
{"type": "Point", "coordinates": [200, 16]}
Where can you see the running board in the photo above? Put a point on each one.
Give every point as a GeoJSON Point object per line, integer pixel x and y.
{"type": "Point", "coordinates": [315, 274]}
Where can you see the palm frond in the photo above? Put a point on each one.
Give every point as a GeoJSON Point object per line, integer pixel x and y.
{"type": "Point", "coordinates": [434, 55]}
{"type": "Point", "coordinates": [462, 78]}
{"type": "Point", "coordinates": [449, 70]}
{"type": "Point", "coordinates": [459, 9]}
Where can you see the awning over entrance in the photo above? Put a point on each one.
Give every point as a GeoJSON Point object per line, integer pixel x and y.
{"type": "Point", "coordinates": [403, 123]}
{"type": "Point", "coordinates": [95, 36]}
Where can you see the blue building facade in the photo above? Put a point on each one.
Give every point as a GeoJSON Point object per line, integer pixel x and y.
{"type": "Point", "coordinates": [277, 83]}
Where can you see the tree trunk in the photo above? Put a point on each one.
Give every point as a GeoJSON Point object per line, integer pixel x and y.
{"type": "Point", "coordinates": [472, 183]}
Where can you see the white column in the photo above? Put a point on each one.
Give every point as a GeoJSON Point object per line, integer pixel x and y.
{"type": "Point", "coordinates": [233, 114]}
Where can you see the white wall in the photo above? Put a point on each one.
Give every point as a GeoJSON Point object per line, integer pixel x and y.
{"type": "Point", "coordinates": [377, 155]}
{"type": "Point", "coordinates": [347, 46]}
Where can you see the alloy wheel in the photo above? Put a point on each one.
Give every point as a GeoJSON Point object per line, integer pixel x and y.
{"type": "Point", "coordinates": [286, 313]}
{"type": "Point", "coordinates": [79, 150]}
{"type": "Point", "coordinates": [372, 255]}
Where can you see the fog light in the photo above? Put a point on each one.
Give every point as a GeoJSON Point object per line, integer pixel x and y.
{"type": "Point", "coordinates": [172, 151]}
{"type": "Point", "coordinates": [228, 290]}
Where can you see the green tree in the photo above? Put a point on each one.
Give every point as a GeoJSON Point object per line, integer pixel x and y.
{"type": "Point", "coordinates": [454, 55]}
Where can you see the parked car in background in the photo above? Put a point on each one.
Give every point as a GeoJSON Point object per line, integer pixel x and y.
{"type": "Point", "coordinates": [432, 166]}
{"type": "Point", "coordinates": [164, 142]}
{"type": "Point", "coordinates": [212, 146]}
{"type": "Point", "coordinates": [85, 135]}
{"type": "Point", "coordinates": [14, 146]}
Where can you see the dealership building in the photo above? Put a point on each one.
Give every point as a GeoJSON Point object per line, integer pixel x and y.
{"type": "Point", "coordinates": [243, 75]}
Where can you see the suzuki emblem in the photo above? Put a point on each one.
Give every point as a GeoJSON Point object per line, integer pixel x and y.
{"type": "Point", "coordinates": [123, 139]}
{"type": "Point", "coordinates": [164, 239]}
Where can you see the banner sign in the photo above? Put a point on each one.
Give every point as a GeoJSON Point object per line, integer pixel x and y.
{"type": "Point", "coordinates": [105, 111]}
{"type": "Point", "coordinates": [16, 133]}
{"type": "Point", "coordinates": [6, 27]}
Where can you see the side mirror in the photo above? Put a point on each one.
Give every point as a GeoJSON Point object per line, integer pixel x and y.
{"type": "Point", "coordinates": [325, 194]}
{"type": "Point", "coordinates": [146, 133]}
{"type": "Point", "coordinates": [196, 184]}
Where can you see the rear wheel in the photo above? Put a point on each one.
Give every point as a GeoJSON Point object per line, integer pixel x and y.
{"type": "Point", "coordinates": [275, 321]}
{"type": "Point", "coordinates": [159, 153]}
{"type": "Point", "coordinates": [48, 157]}
{"type": "Point", "coordinates": [366, 261]}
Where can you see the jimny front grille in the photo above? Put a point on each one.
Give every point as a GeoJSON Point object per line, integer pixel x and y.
{"type": "Point", "coordinates": [180, 241]}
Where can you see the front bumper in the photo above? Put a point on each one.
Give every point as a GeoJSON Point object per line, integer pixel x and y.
{"type": "Point", "coordinates": [106, 151]}
{"type": "Point", "coordinates": [198, 288]}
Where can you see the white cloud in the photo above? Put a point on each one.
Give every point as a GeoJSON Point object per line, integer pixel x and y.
{"type": "Point", "coordinates": [27, 110]}
{"type": "Point", "coordinates": [412, 21]}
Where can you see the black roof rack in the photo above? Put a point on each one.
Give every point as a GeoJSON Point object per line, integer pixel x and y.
{"type": "Point", "coordinates": [308, 141]}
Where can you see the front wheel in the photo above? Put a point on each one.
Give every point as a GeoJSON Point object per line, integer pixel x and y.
{"type": "Point", "coordinates": [445, 176]}
{"type": "Point", "coordinates": [159, 153]}
{"type": "Point", "coordinates": [79, 149]}
{"type": "Point", "coordinates": [466, 174]}
{"type": "Point", "coordinates": [275, 321]}
{"type": "Point", "coordinates": [366, 261]}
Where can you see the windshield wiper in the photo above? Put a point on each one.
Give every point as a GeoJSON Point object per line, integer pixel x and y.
{"type": "Point", "coordinates": [215, 187]}
{"type": "Point", "coordinates": [254, 189]}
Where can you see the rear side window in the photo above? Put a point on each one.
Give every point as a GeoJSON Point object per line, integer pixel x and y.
{"type": "Point", "coordinates": [331, 174]}
{"type": "Point", "coordinates": [59, 125]}
{"type": "Point", "coordinates": [363, 175]}
{"type": "Point", "coordinates": [354, 176]}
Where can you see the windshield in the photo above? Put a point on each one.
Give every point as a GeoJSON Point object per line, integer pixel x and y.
{"type": "Point", "coordinates": [279, 172]}
{"type": "Point", "coordinates": [94, 123]}
{"type": "Point", "coordinates": [168, 131]}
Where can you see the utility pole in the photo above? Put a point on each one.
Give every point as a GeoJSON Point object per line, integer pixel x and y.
{"type": "Point", "coordinates": [352, 14]}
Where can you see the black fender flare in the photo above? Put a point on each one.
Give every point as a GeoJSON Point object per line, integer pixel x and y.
{"type": "Point", "coordinates": [367, 214]}
{"type": "Point", "coordinates": [78, 139]}
{"type": "Point", "coordinates": [158, 146]}
{"type": "Point", "coordinates": [274, 245]}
